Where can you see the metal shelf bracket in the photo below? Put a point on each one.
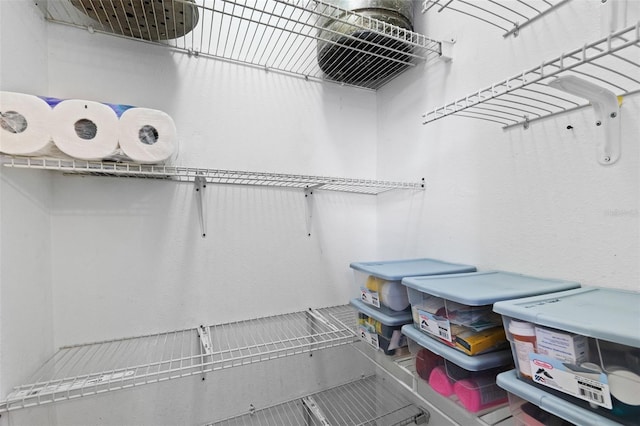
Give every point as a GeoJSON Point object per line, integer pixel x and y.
{"type": "Point", "coordinates": [200, 184]}
{"type": "Point", "coordinates": [607, 114]}
{"type": "Point", "coordinates": [308, 196]}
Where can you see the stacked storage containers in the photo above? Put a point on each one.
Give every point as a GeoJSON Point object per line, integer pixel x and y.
{"type": "Point", "coordinates": [577, 354]}
{"type": "Point", "coordinates": [383, 304]}
{"type": "Point", "coordinates": [458, 341]}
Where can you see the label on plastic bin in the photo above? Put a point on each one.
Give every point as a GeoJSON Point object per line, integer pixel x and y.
{"type": "Point", "coordinates": [435, 325]}
{"type": "Point", "coordinates": [371, 337]}
{"type": "Point", "coordinates": [369, 297]}
{"type": "Point", "coordinates": [590, 386]}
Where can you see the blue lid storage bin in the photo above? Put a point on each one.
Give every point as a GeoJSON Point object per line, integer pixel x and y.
{"type": "Point", "coordinates": [380, 282]}
{"type": "Point", "coordinates": [475, 390]}
{"type": "Point", "coordinates": [582, 345]}
{"type": "Point", "coordinates": [457, 309]}
{"type": "Point", "coordinates": [379, 329]}
{"type": "Point", "coordinates": [552, 402]}
{"type": "Point", "coordinates": [526, 413]}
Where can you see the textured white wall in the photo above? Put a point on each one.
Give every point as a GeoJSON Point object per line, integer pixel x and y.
{"type": "Point", "coordinates": [531, 201]}
{"type": "Point", "coordinates": [26, 309]}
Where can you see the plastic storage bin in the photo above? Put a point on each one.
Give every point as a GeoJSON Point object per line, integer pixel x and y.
{"type": "Point", "coordinates": [474, 390]}
{"type": "Point", "coordinates": [527, 414]}
{"type": "Point", "coordinates": [552, 402]}
{"type": "Point", "coordinates": [380, 282]}
{"type": "Point", "coordinates": [457, 309]}
{"type": "Point", "coordinates": [585, 347]}
{"type": "Point", "coordinates": [379, 329]}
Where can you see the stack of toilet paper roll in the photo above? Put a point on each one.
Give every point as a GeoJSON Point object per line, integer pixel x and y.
{"type": "Point", "coordinates": [87, 130]}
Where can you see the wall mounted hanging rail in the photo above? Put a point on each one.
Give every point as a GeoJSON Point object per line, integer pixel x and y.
{"type": "Point", "coordinates": [509, 17]}
{"type": "Point", "coordinates": [96, 368]}
{"type": "Point", "coordinates": [279, 35]}
{"type": "Point", "coordinates": [612, 63]}
{"type": "Point", "coordinates": [367, 401]}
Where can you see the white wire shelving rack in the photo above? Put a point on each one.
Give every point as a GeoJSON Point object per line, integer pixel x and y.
{"type": "Point", "coordinates": [277, 35]}
{"type": "Point", "coordinates": [508, 16]}
{"type": "Point", "coordinates": [367, 401]}
{"type": "Point", "coordinates": [612, 62]}
{"type": "Point", "coordinates": [213, 176]}
{"type": "Point", "coordinates": [96, 368]}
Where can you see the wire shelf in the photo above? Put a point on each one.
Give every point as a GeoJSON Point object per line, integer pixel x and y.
{"type": "Point", "coordinates": [509, 17]}
{"type": "Point", "coordinates": [368, 401]}
{"type": "Point", "coordinates": [90, 369]}
{"type": "Point", "coordinates": [215, 176]}
{"type": "Point", "coordinates": [612, 62]}
{"type": "Point", "coordinates": [278, 35]}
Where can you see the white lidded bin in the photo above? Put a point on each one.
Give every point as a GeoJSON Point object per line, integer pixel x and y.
{"type": "Point", "coordinates": [457, 309]}
{"type": "Point", "coordinates": [586, 350]}
{"type": "Point", "coordinates": [380, 282]}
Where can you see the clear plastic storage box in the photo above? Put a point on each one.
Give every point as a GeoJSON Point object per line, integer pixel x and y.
{"type": "Point", "coordinates": [379, 329]}
{"type": "Point", "coordinates": [457, 309]}
{"type": "Point", "coordinates": [380, 282]}
{"type": "Point", "coordinates": [582, 346]}
{"type": "Point", "coordinates": [474, 390]}
{"type": "Point", "coordinates": [527, 414]}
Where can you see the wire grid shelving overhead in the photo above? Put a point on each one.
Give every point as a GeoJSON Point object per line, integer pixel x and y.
{"type": "Point", "coordinates": [508, 16]}
{"type": "Point", "coordinates": [214, 176]}
{"type": "Point", "coordinates": [612, 62]}
{"type": "Point", "coordinates": [367, 401]}
{"type": "Point", "coordinates": [96, 368]}
{"type": "Point", "coordinates": [278, 35]}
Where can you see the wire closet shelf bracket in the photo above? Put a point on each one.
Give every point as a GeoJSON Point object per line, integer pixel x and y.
{"type": "Point", "coordinates": [612, 62]}
{"type": "Point", "coordinates": [96, 368]}
{"type": "Point", "coordinates": [278, 35]}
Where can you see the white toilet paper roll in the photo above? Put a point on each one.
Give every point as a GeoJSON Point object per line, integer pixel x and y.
{"type": "Point", "coordinates": [25, 125]}
{"type": "Point", "coordinates": [85, 129]}
{"type": "Point", "coordinates": [147, 135]}
{"type": "Point", "coordinates": [394, 295]}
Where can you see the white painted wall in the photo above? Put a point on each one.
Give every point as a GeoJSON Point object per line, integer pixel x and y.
{"type": "Point", "coordinates": [26, 303]}
{"type": "Point", "coordinates": [128, 257]}
{"type": "Point", "coordinates": [125, 256]}
{"type": "Point", "coordinates": [531, 201]}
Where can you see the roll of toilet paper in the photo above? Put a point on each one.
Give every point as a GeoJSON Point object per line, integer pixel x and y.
{"type": "Point", "coordinates": [85, 129]}
{"type": "Point", "coordinates": [147, 135]}
{"type": "Point", "coordinates": [25, 125]}
{"type": "Point", "coordinates": [394, 295]}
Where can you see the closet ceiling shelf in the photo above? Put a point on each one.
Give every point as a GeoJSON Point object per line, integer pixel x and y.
{"type": "Point", "coordinates": [279, 35]}
{"type": "Point", "coordinates": [95, 368]}
{"type": "Point", "coordinates": [215, 176]}
{"type": "Point", "coordinates": [612, 62]}
{"type": "Point", "coordinates": [508, 16]}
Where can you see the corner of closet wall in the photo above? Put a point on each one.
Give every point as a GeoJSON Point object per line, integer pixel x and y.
{"type": "Point", "coordinates": [26, 306]}
{"type": "Point", "coordinates": [530, 200]}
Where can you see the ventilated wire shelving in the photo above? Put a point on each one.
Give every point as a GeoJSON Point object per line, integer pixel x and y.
{"type": "Point", "coordinates": [508, 16]}
{"type": "Point", "coordinates": [96, 368]}
{"type": "Point", "coordinates": [214, 176]}
{"type": "Point", "coordinates": [612, 62]}
{"type": "Point", "coordinates": [368, 401]}
{"type": "Point", "coordinates": [278, 35]}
